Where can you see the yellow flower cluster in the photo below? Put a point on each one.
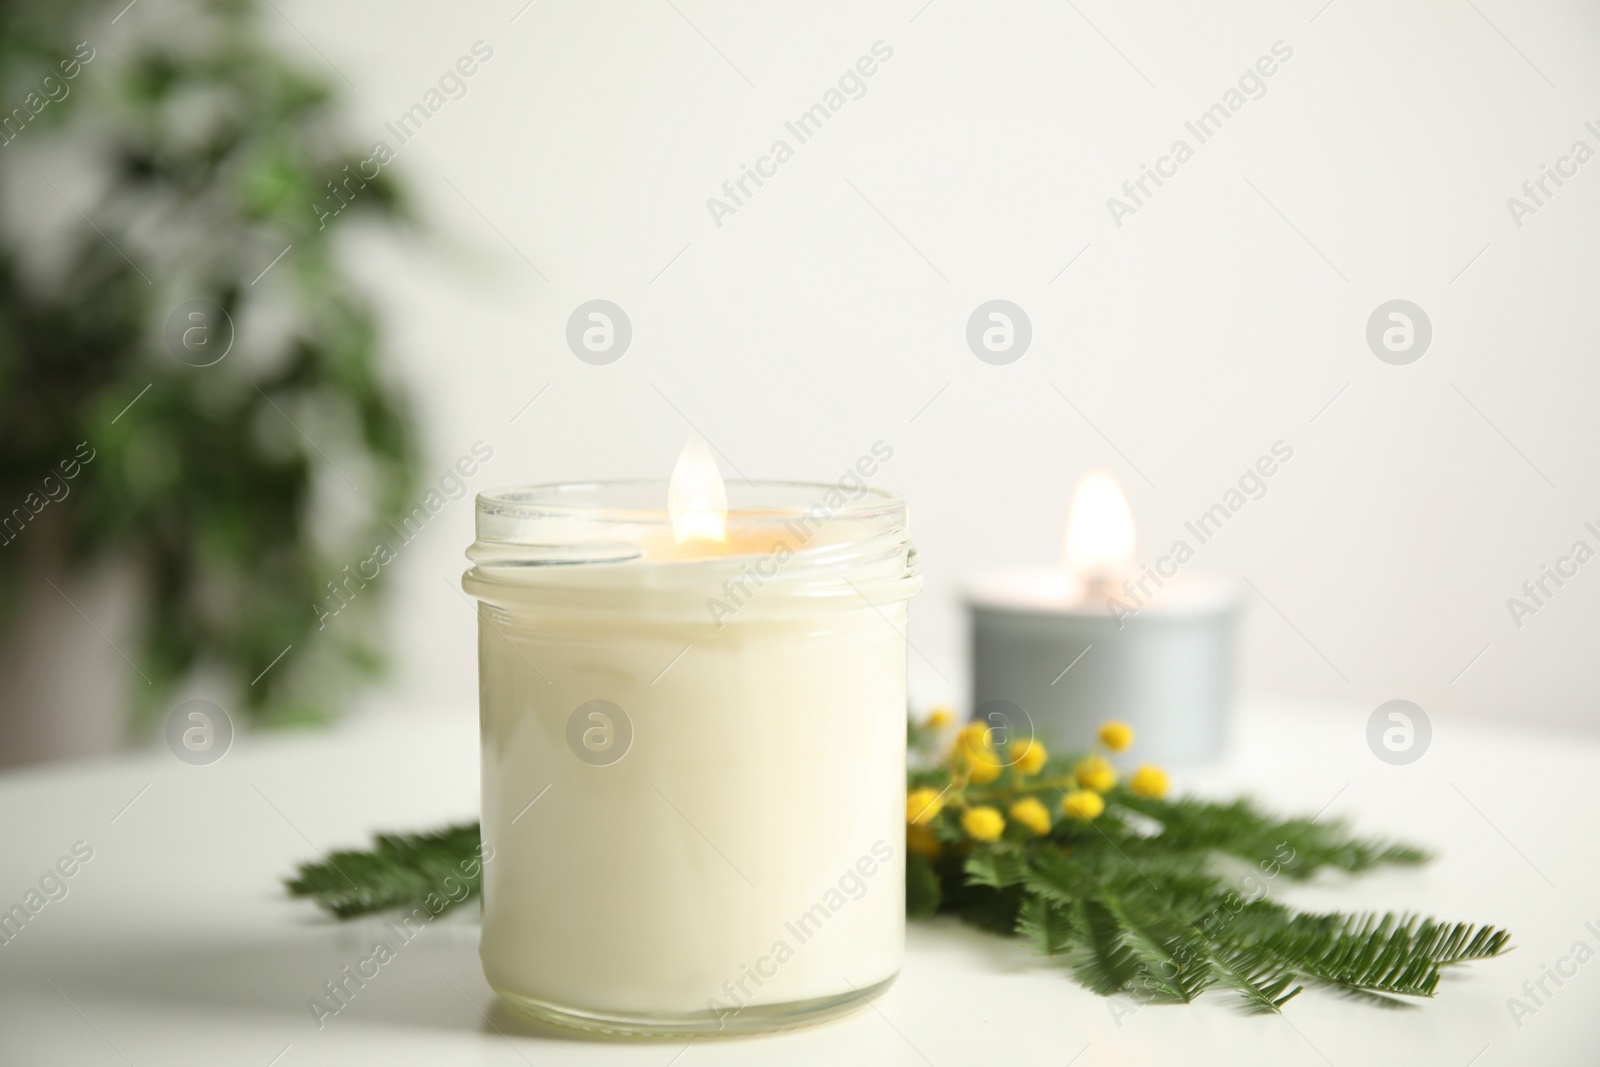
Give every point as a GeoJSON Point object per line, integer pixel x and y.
{"type": "Point", "coordinates": [923, 805]}
{"type": "Point", "coordinates": [1083, 804]}
{"type": "Point", "coordinates": [1149, 781]}
{"type": "Point", "coordinates": [983, 823]}
{"type": "Point", "coordinates": [974, 754]}
{"type": "Point", "coordinates": [1032, 814]}
{"type": "Point", "coordinates": [1096, 773]}
{"type": "Point", "coordinates": [1116, 736]}
{"type": "Point", "coordinates": [1027, 757]}
{"type": "Point", "coordinates": [974, 762]}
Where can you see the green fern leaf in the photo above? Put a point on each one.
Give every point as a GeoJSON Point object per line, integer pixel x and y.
{"type": "Point", "coordinates": [1260, 984]}
{"type": "Point", "coordinates": [401, 871]}
{"type": "Point", "coordinates": [996, 867]}
{"type": "Point", "coordinates": [1175, 962]}
{"type": "Point", "coordinates": [1388, 953]}
{"type": "Point", "coordinates": [1046, 923]}
{"type": "Point", "coordinates": [1100, 958]}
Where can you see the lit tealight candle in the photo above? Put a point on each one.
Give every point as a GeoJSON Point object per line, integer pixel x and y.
{"type": "Point", "coordinates": [1100, 540]}
{"type": "Point", "coordinates": [1063, 649]}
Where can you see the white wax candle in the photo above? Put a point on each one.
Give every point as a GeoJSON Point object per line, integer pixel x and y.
{"type": "Point", "coordinates": [739, 864]}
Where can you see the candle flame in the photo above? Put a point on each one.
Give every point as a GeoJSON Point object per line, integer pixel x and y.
{"type": "Point", "coordinates": [1100, 538]}
{"type": "Point", "coordinates": [697, 499]}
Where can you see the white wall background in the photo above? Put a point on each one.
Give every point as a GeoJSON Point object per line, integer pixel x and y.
{"type": "Point", "coordinates": [1229, 313]}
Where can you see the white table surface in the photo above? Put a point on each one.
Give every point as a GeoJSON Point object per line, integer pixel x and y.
{"type": "Point", "coordinates": [175, 944]}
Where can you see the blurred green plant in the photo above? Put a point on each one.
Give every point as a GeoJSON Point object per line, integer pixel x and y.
{"type": "Point", "coordinates": [174, 165]}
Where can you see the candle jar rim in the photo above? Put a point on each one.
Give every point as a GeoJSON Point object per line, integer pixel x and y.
{"type": "Point", "coordinates": [565, 523]}
{"type": "Point", "coordinates": [814, 541]}
{"type": "Point", "coordinates": [642, 501]}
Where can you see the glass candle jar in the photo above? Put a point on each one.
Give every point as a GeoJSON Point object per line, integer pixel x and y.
{"type": "Point", "coordinates": [693, 754]}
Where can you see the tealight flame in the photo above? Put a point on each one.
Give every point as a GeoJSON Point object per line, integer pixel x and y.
{"type": "Point", "coordinates": [1100, 541]}
{"type": "Point", "coordinates": [697, 499]}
